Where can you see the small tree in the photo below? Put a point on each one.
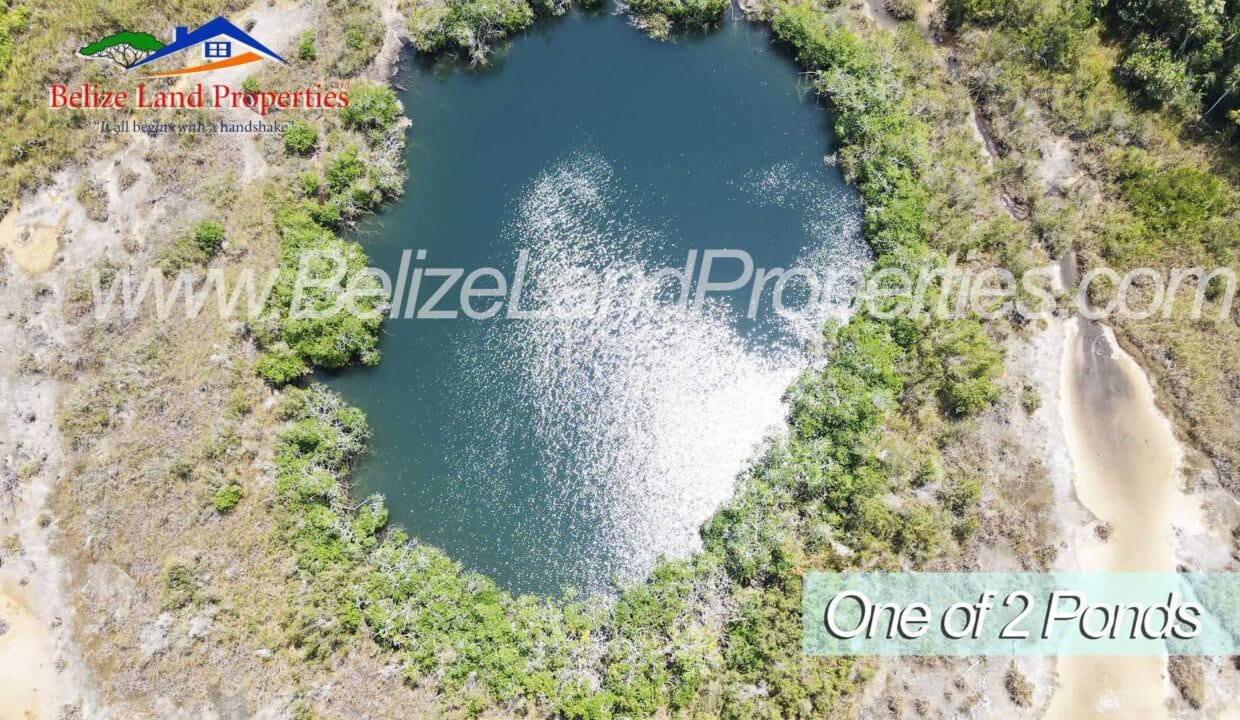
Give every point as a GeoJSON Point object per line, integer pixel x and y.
{"type": "Point", "coordinates": [124, 48]}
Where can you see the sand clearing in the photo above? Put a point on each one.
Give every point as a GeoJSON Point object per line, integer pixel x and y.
{"type": "Point", "coordinates": [1126, 459]}
{"type": "Point", "coordinates": [27, 669]}
{"type": "Point", "coordinates": [32, 245]}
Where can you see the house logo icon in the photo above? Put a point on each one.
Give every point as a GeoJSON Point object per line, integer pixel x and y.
{"type": "Point", "coordinates": [215, 45]}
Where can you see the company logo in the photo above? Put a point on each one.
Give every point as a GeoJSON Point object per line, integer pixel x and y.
{"type": "Point", "coordinates": [215, 45]}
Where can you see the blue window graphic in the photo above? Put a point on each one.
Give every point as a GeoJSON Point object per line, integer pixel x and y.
{"type": "Point", "coordinates": [219, 49]}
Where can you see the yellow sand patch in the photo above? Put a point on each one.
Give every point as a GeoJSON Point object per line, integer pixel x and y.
{"type": "Point", "coordinates": [27, 671]}
{"type": "Point", "coordinates": [32, 246]}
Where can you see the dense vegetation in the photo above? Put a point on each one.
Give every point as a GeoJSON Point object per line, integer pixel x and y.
{"type": "Point", "coordinates": [471, 27]}
{"type": "Point", "coordinates": [660, 18]}
{"type": "Point", "coordinates": [298, 333]}
{"type": "Point", "coordinates": [1184, 56]}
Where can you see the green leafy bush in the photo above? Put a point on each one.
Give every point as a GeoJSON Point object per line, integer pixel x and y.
{"type": "Point", "coordinates": [209, 236]}
{"type": "Point", "coordinates": [300, 138]}
{"type": "Point", "coordinates": [305, 47]}
{"type": "Point", "coordinates": [227, 498]}
{"type": "Point", "coordinates": [335, 322]}
{"type": "Point", "coordinates": [344, 170]}
{"type": "Point", "coordinates": [1160, 78]}
{"type": "Point", "coordinates": [373, 109]}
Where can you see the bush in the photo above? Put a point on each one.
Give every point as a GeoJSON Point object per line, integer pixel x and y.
{"type": "Point", "coordinates": [1174, 199]}
{"type": "Point", "coordinates": [1160, 78]}
{"type": "Point", "coordinates": [1019, 689]}
{"type": "Point", "coordinates": [326, 333]}
{"type": "Point", "coordinates": [305, 47]}
{"type": "Point", "coordinates": [227, 498]}
{"type": "Point", "coordinates": [280, 367]}
{"type": "Point", "coordinates": [344, 170]}
{"type": "Point", "coordinates": [1052, 32]}
{"type": "Point", "coordinates": [300, 138]}
{"type": "Point", "coordinates": [959, 13]}
{"type": "Point", "coordinates": [209, 236]}
{"type": "Point", "coordinates": [311, 184]}
{"type": "Point", "coordinates": [901, 9]}
{"type": "Point", "coordinates": [1182, 54]}
{"type": "Point", "coordinates": [94, 199]}
{"type": "Point", "coordinates": [966, 365]}
{"type": "Point", "coordinates": [372, 108]}
{"type": "Point", "coordinates": [195, 247]}
{"type": "Point", "coordinates": [181, 585]}
{"type": "Point", "coordinates": [1030, 399]}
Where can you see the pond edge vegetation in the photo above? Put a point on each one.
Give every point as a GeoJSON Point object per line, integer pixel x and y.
{"type": "Point", "coordinates": [697, 632]}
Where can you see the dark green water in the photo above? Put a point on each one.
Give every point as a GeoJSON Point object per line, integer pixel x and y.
{"type": "Point", "coordinates": [550, 453]}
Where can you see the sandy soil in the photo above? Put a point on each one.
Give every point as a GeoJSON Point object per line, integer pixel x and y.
{"type": "Point", "coordinates": [1126, 465]}
{"type": "Point", "coordinates": [30, 240]}
{"type": "Point", "coordinates": [27, 671]}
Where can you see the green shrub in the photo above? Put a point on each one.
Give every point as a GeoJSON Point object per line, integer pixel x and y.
{"type": "Point", "coordinates": [1160, 78]}
{"type": "Point", "coordinates": [209, 236]}
{"type": "Point", "coordinates": [280, 367]}
{"type": "Point", "coordinates": [1171, 199]}
{"type": "Point", "coordinates": [345, 169]}
{"type": "Point", "coordinates": [371, 106]}
{"type": "Point", "coordinates": [13, 20]}
{"type": "Point", "coordinates": [300, 138]}
{"type": "Point", "coordinates": [1051, 32]}
{"type": "Point", "coordinates": [966, 365]}
{"type": "Point", "coordinates": [194, 247]}
{"type": "Point", "coordinates": [1181, 54]}
{"type": "Point", "coordinates": [362, 27]}
{"type": "Point", "coordinates": [324, 332]}
{"type": "Point", "coordinates": [959, 13]}
{"type": "Point", "coordinates": [311, 184]}
{"type": "Point", "coordinates": [227, 498]}
{"type": "Point", "coordinates": [305, 47]}
{"type": "Point", "coordinates": [961, 496]}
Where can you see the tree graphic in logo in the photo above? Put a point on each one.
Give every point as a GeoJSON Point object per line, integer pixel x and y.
{"type": "Point", "coordinates": [124, 48]}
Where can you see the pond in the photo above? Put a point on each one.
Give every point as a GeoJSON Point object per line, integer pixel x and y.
{"type": "Point", "coordinates": [573, 450]}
